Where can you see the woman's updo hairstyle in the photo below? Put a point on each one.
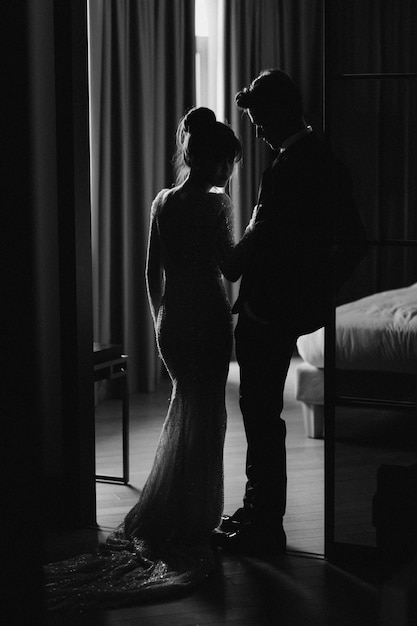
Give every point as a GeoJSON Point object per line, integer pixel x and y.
{"type": "Point", "coordinates": [200, 139]}
{"type": "Point", "coordinates": [199, 120]}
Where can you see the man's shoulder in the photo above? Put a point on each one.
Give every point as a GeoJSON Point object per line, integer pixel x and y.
{"type": "Point", "coordinates": [313, 146]}
{"type": "Point", "coordinates": [315, 156]}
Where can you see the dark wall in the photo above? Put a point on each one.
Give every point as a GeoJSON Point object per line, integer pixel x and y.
{"type": "Point", "coordinates": [371, 88]}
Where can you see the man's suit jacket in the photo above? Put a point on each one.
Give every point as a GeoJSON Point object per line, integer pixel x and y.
{"type": "Point", "coordinates": [308, 238]}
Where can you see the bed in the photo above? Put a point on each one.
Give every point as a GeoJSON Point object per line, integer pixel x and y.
{"type": "Point", "coordinates": [375, 356]}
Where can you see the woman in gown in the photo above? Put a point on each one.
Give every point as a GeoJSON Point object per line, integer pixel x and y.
{"type": "Point", "coordinates": [164, 544]}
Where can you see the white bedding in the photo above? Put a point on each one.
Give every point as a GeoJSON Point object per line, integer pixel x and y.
{"type": "Point", "coordinates": [376, 333]}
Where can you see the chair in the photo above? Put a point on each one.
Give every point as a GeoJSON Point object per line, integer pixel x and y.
{"type": "Point", "coordinates": [111, 364]}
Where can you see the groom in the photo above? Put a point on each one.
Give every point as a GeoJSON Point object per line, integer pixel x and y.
{"type": "Point", "coordinates": [308, 240]}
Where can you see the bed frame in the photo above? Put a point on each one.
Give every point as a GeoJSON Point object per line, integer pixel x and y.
{"type": "Point", "coordinates": [353, 388]}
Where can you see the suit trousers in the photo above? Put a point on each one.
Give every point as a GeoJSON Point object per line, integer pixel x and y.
{"type": "Point", "coordinates": [264, 352]}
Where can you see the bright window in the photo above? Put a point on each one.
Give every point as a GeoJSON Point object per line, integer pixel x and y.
{"type": "Point", "coordinates": [209, 32]}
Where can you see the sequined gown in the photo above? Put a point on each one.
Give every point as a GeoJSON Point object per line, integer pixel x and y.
{"type": "Point", "coordinates": [163, 545]}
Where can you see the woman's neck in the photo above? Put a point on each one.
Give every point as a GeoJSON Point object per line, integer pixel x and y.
{"type": "Point", "coordinates": [196, 182]}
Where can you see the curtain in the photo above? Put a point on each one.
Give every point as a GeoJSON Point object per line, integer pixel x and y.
{"type": "Point", "coordinates": [284, 34]}
{"type": "Point", "coordinates": [141, 83]}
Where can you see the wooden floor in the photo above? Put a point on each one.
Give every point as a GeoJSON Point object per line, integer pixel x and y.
{"type": "Point", "coordinates": [298, 589]}
{"type": "Point", "coordinates": [304, 519]}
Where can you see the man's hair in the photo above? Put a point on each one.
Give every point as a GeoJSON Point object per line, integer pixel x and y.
{"type": "Point", "coordinates": [273, 90]}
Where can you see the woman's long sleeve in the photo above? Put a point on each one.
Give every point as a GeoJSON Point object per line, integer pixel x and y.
{"type": "Point", "coordinates": [154, 270]}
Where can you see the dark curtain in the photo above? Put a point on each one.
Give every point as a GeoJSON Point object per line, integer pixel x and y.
{"type": "Point", "coordinates": [141, 81]}
{"type": "Point", "coordinates": [285, 34]}
{"type": "Point", "coordinates": [372, 122]}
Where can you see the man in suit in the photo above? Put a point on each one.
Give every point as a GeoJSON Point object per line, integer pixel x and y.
{"type": "Point", "coordinates": [308, 239]}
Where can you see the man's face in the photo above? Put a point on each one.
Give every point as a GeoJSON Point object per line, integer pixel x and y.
{"type": "Point", "coordinates": [268, 128]}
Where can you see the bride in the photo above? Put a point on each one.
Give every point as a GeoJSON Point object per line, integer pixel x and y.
{"type": "Point", "coordinates": [163, 545]}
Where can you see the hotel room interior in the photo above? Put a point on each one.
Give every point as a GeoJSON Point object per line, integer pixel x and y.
{"type": "Point", "coordinates": [93, 91]}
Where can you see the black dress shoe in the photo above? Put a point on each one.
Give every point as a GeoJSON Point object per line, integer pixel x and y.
{"type": "Point", "coordinates": [233, 523]}
{"type": "Point", "coordinates": [252, 541]}
{"type": "Point", "coordinates": [217, 538]}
